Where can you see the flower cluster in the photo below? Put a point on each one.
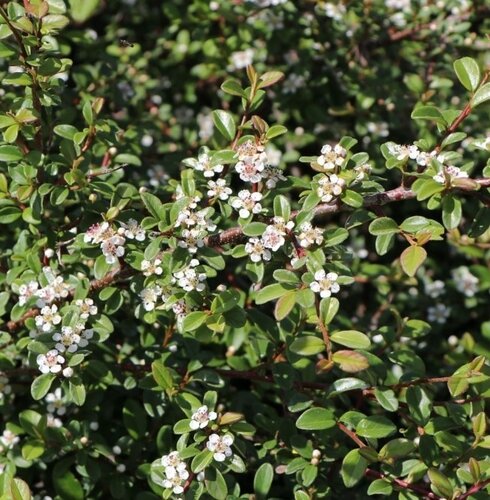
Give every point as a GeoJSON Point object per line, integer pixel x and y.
{"type": "Point", "coordinates": [176, 473]}
{"type": "Point", "coordinates": [438, 313]}
{"type": "Point", "coordinates": [70, 339]}
{"type": "Point", "coordinates": [55, 289]}
{"type": "Point", "coordinates": [111, 241]}
{"type": "Point", "coordinates": [219, 189]}
{"type": "Point", "coordinates": [5, 388]}
{"type": "Point", "coordinates": [272, 238]}
{"type": "Point", "coordinates": [252, 160]}
{"type": "Point", "coordinates": [132, 230]}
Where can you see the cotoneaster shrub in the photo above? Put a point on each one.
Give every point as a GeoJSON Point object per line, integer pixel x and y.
{"type": "Point", "coordinates": [244, 249]}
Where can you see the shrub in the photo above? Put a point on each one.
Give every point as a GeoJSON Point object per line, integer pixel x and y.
{"type": "Point", "coordinates": [244, 250]}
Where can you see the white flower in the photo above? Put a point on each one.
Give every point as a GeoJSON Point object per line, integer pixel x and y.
{"type": "Point", "coordinates": [465, 282]}
{"type": "Point", "coordinates": [272, 175]}
{"type": "Point", "coordinates": [8, 439]}
{"type": "Point", "coordinates": [450, 172]}
{"type": "Point", "coordinates": [329, 187]}
{"type": "Point", "coordinates": [67, 372]}
{"type": "Point", "coordinates": [247, 203]}
{"type": "Point", "coordinates": [281, 225]}
{"type": "Point", "coordinates": [68, 340]}
{"type": "Point", "coordinates": [52, 421]}
{"type": "Point", "coordinates": [243, 58]}
{"type": "Point", "coordinates": [250, 169]}
{"type": "Point", "coordinates": [257, 251]}
{"type": "Point", "coordinates": [193, 239]}
{"type": "Point", "coordinates": [273, 238]}
{"type": "Point", "coordinates": [189, 279]}
{"type": "Point", "coordinates": [219, 189]}
{"type": "Point", "coordinates": [403, 152]}
{"type": "Point", "coordinates": [27, 291]}
{"type": "Point", "coordinates": [201, 418]}
{"type": "Point", "coordinates": [86, 307]}
{"type": "Point", "coordinates": [293, 83]}
{"type": "Point", "coordinates": [205, 165]}
{"type": "Point", "coordinates": [325, 283]}
{"type": "Point", "coordinates": [335, 10]}
{"type": "Point", "coordinates": [149, 296]}
{"type": "Point", "coordinates": [310, 235]}
{"type": "Point", "coordinates": [151, 267]}
{"type": "Point", "coordinates": [48, 318]}
{"type": "Point", "coordinates": [331, 158]}
{"type": "Point", "coordinates": [55, 402]}
{"type": "Point", "coordinates": [50, 362]}
{"type": "Point", "coordinates": [435, 288]}
{"type": "Point", "coordinates": [362, 171]}
{"type": "Point", "coordinates": [220, 446]}
{"type": "Point", "coordinates": [113, 248]}
{"type": "Point", "coordinates": [132, 230]}
{"type": "Point", "coordinates": [438, 314]}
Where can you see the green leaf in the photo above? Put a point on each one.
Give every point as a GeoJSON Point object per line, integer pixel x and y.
{"type": "Point", "coordinates": [397, 448]}
{"type": "Point", "coordinates": [425, 188]}
{"type": "Point", "coordinates": [375, 427]}
{"type": "Point", "coordinates": [153, 204]}
{"type": "Point", "coordinates": [451, 212]}
{"type": "Point", "coordinates": [353, 467]}
{"type": "Point", "coordinates": [412, 258]}
{"type": "Point", "coordinates": [481, 95]}
{"type": "Point", "coordinates": [270, 78]}
{"type": "Point", "coordinates": [383, 225]}
{"type": "Point", "coordinates": [328, 309]}
{"type": "Point", "coordinates": [10, 135]}
{"type": "Point", "coordinates": [351, 338]}
{"type": "Point", "coordinates": [419, 404]}
{"type": "Point", "coordinates": [10, 153]}
{"type": "Point", "coordinates": [352, 198]}
{"type": "Point", "coordinates": [380, 487]}
{"type": "Point", "coordinates": [282, 208]}
{"type": "Point", "coordinates": [468, 73]}
{"type": "Point", "coordinates": [232, 87]}
{"type": "Point", "coordinates": [65, 483]}
{"type": "Point", "coordinates": [162, 375]}
{"type": "Point", "coordinates": [41, 385]}
{"type": "Point", "coordinates": [350, 361]}
{"type": "Point", "coordinates": [65, 131]}
{"type": "Point", "coordinates": [17, 490]}
{"type": "Point", "coordinates": [134, 418]}
{"type": "Point", "coordinates": [9, 214]}
{"type": "Point", "coordinates": [440, 484]}
{"type": "Point", "coordinates": [77, 391]}
{"type": "Point", "coordinates": [275, 131]}
{"type": "Point", "coordinates": [315, 419]}
{"type": "Point", "coordinates": [386, 398]}
{"type": "Point", "coordinates": [216, 484]}
{"type": "Point", "coordinates": [263, 480]}
{"type": "Point", "coordinates": [32, 449]}
{"type": "Point", "coordinates": [284, 305]}
{"type": "Point", "coordinates": [307, 345]}
{"type": "Point", "coordinates": [384, 243]}
{"type": "Point", "coordinates": [201, 461]}
{"type": "Point", "coordinates": [428, 113]}
{"type": "Point", "coordinates": [224, 123]}
{"type": "Point", "coordinates": [194, 320]}
{"type": "Point", "coordinates": [271, 292]}
{"type": "Point", "coordinates": [81, 11]}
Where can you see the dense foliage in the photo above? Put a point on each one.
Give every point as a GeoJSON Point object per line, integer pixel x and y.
{"type": "Point", "coordinates": [245, 249]}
